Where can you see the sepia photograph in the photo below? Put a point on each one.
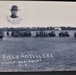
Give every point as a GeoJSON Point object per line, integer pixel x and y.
{"type": "Point", "coordinates": [37, 36]}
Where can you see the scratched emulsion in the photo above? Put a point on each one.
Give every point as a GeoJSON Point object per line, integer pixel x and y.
{"type": "Point", "coordinates": [48, 54]}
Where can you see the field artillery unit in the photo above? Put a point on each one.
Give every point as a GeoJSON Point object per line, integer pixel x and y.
{"type": "Point", "coordinates": [41, 34]}
{"type": "Point", "coordinates": [20, 34]}
{"type": "Point", "coordinates": [64, 34]}
{"type": "Point", "coordinates": [38, 34]}
{"type": "Point", "coordinates": [44, 34]}
{"type": "Point", "coordinates": [52, 34]}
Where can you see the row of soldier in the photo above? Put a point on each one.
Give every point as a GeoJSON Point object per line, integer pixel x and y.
{"type": "Point", "coordinates": [44, 34]}
{"type": "Point", "coordinates": [38, 34]}
{"type": "Point", "coordinates": [52, 34]}
{"type": "Point", "coordinates": [20, 34]}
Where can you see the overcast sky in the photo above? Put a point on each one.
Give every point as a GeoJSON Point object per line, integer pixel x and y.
{"type": "Point", "coordinates": [40, 13]}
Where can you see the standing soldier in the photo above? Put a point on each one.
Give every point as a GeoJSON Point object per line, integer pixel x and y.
{"type": "Point", "coordinates": [7, 33]}
{"type": "Point", "coordinates": [1, 35]}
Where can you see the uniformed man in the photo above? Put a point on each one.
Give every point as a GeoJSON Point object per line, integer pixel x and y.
{"type": "Point", "coordinates": [14, 11]}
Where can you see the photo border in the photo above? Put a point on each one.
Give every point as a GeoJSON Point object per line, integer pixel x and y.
{"type": "Point", "coordinates": [45, 72]}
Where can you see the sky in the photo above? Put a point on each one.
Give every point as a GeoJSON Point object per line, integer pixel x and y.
{"type": "Point", "coordinates": [39, 13]}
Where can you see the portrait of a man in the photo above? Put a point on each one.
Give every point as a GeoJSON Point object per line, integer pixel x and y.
{"type": "Point", "coordinates": [14, 18]}
{"type": "Point", "coordinates": [14, 11]}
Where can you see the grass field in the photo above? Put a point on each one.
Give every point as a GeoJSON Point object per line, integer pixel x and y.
{"type": "Point", "coordinates": [63, 51]}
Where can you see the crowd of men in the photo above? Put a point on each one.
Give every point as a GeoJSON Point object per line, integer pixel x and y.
{"type": "Point", "coordinates": [21, 34]}
{"type": "Point", "coordinates": [38, 34]}
{"type": "Point", "coordinates": [44, 34]}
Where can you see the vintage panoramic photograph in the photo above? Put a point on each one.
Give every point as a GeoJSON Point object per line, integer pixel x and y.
{"type": "Point", "coordinates": [37, 36]}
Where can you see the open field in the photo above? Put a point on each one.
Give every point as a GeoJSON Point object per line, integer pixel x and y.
{"type": "Point", "coordinates": [60, 54]}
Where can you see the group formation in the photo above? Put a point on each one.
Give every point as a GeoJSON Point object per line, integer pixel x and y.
{"type": "Point", "coordinates": [38, 34]}
{"type": "Point", "coordinates": [52, 34]}
{"type": "Point", "coordinates": [44, 34]}
{"type": "Point", "coordinates": [20, 33]}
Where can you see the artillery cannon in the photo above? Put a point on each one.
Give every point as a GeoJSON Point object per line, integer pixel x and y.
{"type": "Point", "coordinates": [21, 34]}
{"type": "Point", "coordinates": [64, 34]}
{"type": "Point", "coordinates": [51, 34]}
{"type": "Point", "coordinates": [41, 34]}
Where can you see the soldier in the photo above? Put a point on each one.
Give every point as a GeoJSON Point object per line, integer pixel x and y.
{"type": "Point", "coordinates": [7, 33]}
{"type": "Point", "coordinates": [14, 10]}
{"type": "Point", "coordinates": [75, 34]}
{"type": "Point", "coordinates": [13, 18]}
{"type": "Point", "coordinates": [1, 37]}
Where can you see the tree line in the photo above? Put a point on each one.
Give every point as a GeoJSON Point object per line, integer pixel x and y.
{"type": "Point", "coordinates": [35, 28]}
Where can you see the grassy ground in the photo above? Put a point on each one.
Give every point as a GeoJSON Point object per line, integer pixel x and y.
{"type": "Point", "coordinates": [63, 51]}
